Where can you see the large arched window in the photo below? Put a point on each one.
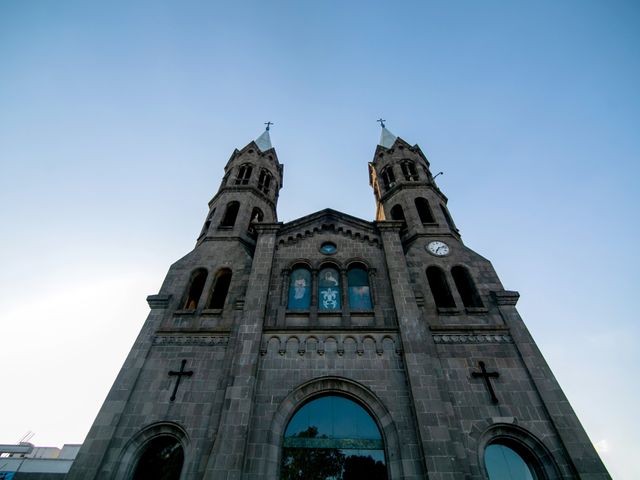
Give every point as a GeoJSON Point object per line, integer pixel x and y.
{"type": "Point", "coordinates": [196, 285]}
{"type": "Point", "coordinates": [161, 459]}
{"type": "Point", "coordinates": [230, 214]}
{"type": "Point", "coordinates": [424, 211]}
{"type": "Point", "coordinates": [359, 291]}
{"type": "Point", "coordinates": [440, 288]}
{"type": "Point", "coordinates": [333, 437]}
{"type": "Point", "coordinates": [329, 289]}
{"type": "Point", "coordinates": [504, 463]}
{"type": "Point", "coordinates": [466, 287]}
{"type": "Point", "coordinates": [220, 289]}
{"type": "Point", "coordinates": [299, 289]}
{"type": "Point", "coordinates": [244, 174]}
{"type": "Point", "coordinates": [397, 213]}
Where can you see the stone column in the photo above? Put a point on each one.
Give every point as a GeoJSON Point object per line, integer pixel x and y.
{"type": "Point", "coordinates": [440, 440]}
{"type": "Point", "coordinates": [228, 452]}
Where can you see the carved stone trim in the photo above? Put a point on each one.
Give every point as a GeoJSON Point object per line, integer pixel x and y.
{"type": "Point", "coordinates": [158, 301]}
{"type": "Point", "coordinates": [314, 342]}
{"type": "Point", "coordinates": [472, 338]}
{"type": "Point", "coordinates": [200, 340]}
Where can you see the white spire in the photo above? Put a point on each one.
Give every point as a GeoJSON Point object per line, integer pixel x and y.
{"type": "Point", "coordinates": [387, 139]}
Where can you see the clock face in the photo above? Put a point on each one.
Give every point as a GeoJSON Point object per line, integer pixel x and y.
{"type": "Point", "coordinates": [440, 249]}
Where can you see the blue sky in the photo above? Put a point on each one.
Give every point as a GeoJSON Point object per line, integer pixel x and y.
{"type": "Point", "coordinates": [116, 120]}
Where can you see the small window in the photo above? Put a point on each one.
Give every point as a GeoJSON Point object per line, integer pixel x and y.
{"type": "Point", "coordinates": [161, 458]}
{"type": "Point", "coordinates": [466, 287]}
{"type": "Point", "coordinates": [264, 181]}
{"type": "Point", "coordinates": [328, 248]}
{"type": "Point", "coordinates": [388, 178]}
{"type": "Point", "coordinates": [409, 171]}
{"type": "Point", "coordinates": [503, 462]}
{"type": "Point", "coordinates": [230, 214]}
{"type": "Point", "coordinates": [220, 289]}
{"type": "Point", "coordinates": [440, 288]}
{"type": "Point", "coordinates": [329, 289]}
{"type": "Point", "coordinates": [244, 174]}
{"type": "Point", "coordinates": [196, 285]}
{"type": "Point", "coordinates": [359, 291]}
{"type": "Point", "coordinates": [448, 218]}
{"type": "Point", "coordinates": [299, 289]}
{"type": "Point", "coordinates": [424, 211]}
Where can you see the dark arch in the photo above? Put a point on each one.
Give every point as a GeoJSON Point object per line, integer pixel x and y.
{"type": "Point", "coordinates": [196, 285]}
{"type": "Point", "coordinates": [264, 181]}
{"type": "Point", "coordinates": [440, 288]}
{"type": "Point", "coordinates": [161, 459]}
{"type": "Point", "coordinates": [424, 210]}
{"type": "Point", "coordinates": [397, 213]}
{"type": "Point", "coordinates": [409, 171]}
{"type": "Point", "coordinates": [220, 289]}
{"type": "Point", "coordinates": [256, 215]}
{"type": "Point", "coordinates": [466, 287]}
{"type": "Point", "coordinates": [388, 177]}
{"type": "Point", "coordinates": [230, 214]}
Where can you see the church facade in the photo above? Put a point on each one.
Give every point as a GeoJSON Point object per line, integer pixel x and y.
{"type": "Point", "coordinates": [332, 347]}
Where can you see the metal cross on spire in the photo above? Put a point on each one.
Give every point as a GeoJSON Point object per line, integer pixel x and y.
{"type": "Point", "coordinates": [268, 124]}
{"type": "Point", "coordinates": [381, 121]}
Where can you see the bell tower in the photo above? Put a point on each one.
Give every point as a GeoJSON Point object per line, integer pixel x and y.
{"type": "Point", "coordinates": [405, 189]}
{"type": "Point", "coordinates": [247, 195]}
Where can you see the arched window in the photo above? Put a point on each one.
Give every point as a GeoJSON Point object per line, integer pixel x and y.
{"type": "Point", "coordinates": [333, 437]}
{"type": "Point", "coordinates": [196, 285]}
{"type": "Point", "coordinates": [448, 218]}
{"type": "Point", "coordinates": [409, 171]}
{"type": "Point", "coordinates": [388, 178]}
{"type": "Point", "coordinates": [329, 289]}
{"type": "Point", "coordinates": [161, 458]}
{"type": "Point", "coordinates": [264, 181]}
{"type": "Point", "coordinates": [256, 215]}
{"type": "Point", "coordinates": [207, 223]}
{"type": "Point", "coordinates": [466, 287]}
{"type": "Point", "coordinates": [504, 463]}
{"type": "Point", "coordinates": [299, 289]}
{"type": "Point", "coordinates": [230, 214]}
{"type": "Point", "coordinates": [359, 292]}
{"type": "Point", "coordinates": [440, 288]}
{"type": "Point", "coordinates": [424, 211]}
{"type": "Point", "coordinates": [244, 174]}
{"type": "Point", "coordinates": [397, 213]}
{"type": "Point", "coordinates": [220, 288]}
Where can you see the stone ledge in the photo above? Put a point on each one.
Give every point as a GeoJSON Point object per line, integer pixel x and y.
{"type": "Point", "coordinates": [506, 297]}
{"type": "Point", "coordinates": [205, 340]}
{"type": "Point", "coordinates": [158, 301]}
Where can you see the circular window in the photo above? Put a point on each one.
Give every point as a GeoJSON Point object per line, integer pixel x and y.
{"type": "Point", "coordinates": [328, 248]}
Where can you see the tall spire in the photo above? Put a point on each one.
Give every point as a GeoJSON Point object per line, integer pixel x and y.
{"type": "Point", "coordinates": [264, 140]}
{"type": "Point", "coordinates": [387, 139]}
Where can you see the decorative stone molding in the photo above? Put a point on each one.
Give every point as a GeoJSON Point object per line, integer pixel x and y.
{"type": "Point", "coordinates": [506, 297]}
{"type": "Point", "coordinates": [332, 227]}
{"type": "Point", "coordinates": [315, 342]}
{"type": "Point", "coordinates": [200, 340]}
{"type": "Point", "coordinates": [158, 302]}
{"type": "Point", "coordinates": [471, 338]}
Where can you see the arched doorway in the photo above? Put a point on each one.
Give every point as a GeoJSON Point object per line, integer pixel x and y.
{"type": "Point", "coordinates": [161, 459]}
{"type": "Point", "coordinates": [332, 437]}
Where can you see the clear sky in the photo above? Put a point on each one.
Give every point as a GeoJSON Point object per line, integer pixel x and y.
{"type": "Point", "coordinates": [116, 120]}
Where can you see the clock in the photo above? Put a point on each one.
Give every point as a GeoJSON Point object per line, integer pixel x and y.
{"type": "Point", "coordinates": [438, 248]}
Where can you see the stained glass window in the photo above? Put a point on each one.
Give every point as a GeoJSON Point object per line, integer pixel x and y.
{"type": "Point", "coordinates": [332, 438]}
{"type": "Point", "coordinates": [503, 463]}
{"type": "Point", "coordinates": [359, 292]}
{"type": "Point", "coordinates": [328, 248]}
{"type": "Point", "coordinates": [299, 289]}
{"type": "Point", "coordinates": [329, 289]}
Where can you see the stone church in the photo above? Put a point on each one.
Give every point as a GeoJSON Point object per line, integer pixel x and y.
{"type": "Point", "coordinates": [331, 347]}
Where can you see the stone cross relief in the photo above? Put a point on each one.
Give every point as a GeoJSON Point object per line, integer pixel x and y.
{"type": "Point", "coordinates": [179, 374]}
{"type": "Point", "coordinates": [486, 376]}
